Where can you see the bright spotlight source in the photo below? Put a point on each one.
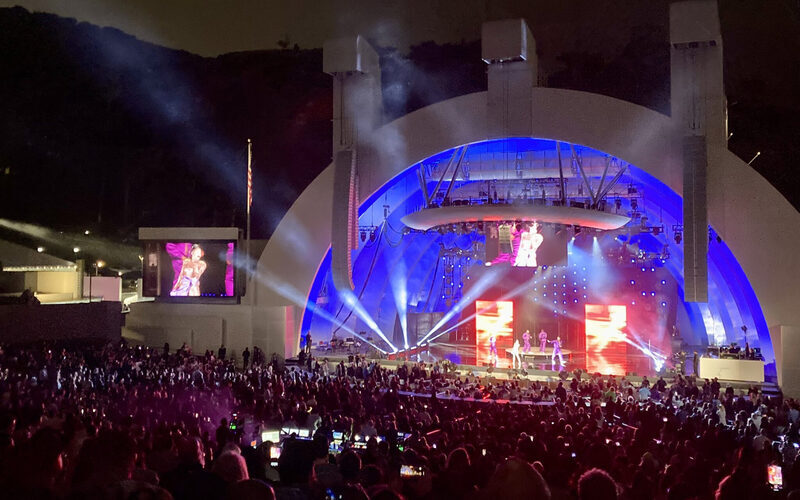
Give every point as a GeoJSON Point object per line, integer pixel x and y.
{"type": "Point", "coordinates": [119, 273]}
{"type": "Point", "coordinates": [40, 249]}
{"type": "Point", "coordinates": [758, 153]}
{"type": "Point", "coordinates": [100, 263]}
{"type": "Point", "coordinates": [86, 232]}
{"type": "Point", "coordinates": [76, 250]}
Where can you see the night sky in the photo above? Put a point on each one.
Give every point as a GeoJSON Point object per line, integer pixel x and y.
{"type": "Point", "coordinates": [764, 35]}
{"type": "Point", "coordinates": [162, 106]}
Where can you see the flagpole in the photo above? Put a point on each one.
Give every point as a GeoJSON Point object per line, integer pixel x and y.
{"type": "Point", "coordinates": [249, 202]}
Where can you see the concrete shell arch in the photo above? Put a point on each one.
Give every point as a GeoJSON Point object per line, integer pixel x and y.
{"type": "Point", "coordinates": [757, 223]}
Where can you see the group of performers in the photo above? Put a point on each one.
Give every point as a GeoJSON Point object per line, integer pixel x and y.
{"type": "Point", "coordinates": [516, 359]}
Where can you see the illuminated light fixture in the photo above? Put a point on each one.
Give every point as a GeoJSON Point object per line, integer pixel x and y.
{"type": "Point", "coordinates": [372, 237]}
{"type": "Point", "coordinates": [17, 269]}
{"type": "Point", "coordinates": [76, 250]}
{"type": "Point", "coordinates": [100, 264]}
{"type": "Point", "coordinates": [86, 232]}
{"type": "Point", "coordinates": [119, 273]}
{"type": "Point", "coordinates": [363, 236]}
{"type": "Point", "coordinates": [40, 249]}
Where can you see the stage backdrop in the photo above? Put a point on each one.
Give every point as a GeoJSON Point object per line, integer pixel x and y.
{"type": "Point", "coordinates": [606, 346]}
{"type": "Point", "coordinates": [494, 318]}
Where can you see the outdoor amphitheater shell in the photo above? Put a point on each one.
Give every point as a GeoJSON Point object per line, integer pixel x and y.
{"type": "Point", "coordinates": [752, 273]}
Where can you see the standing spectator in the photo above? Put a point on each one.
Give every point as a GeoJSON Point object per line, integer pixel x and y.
{"type": "Point", "coordinates": [596, 484]}
{"type": "Point", "coordinates": [245, 358]}
{"type": "Point", "coordinates": [222, 352]}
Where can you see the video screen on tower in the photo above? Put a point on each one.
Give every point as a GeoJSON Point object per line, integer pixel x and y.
{"type": "Point", "coordinates": [189, 269]}
{"type": "Point", "coordinates": [525, 244]}
{"type": "Point", "coordinates": [199, 269]}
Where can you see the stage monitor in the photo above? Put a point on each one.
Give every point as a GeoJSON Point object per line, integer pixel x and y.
{"type": "Point", "coordinates": [493, 318]}
{"type": "Point", "coordinates": [189, 264]}
{"type": "Point", "coordinates": [606, 341]}
{"type": "Point", "coordinates": [526, 245]}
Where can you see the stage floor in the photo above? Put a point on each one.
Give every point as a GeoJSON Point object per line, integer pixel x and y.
{"type": "Point", "coordinates": [466, 355]}
{"type": "Point", "coordinates": [545, 374]}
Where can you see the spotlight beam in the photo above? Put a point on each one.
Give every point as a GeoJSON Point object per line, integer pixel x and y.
{"type": "Point", "coordinates": [351, 300]}
{"type": "Point", "coordinates": [510, 295]}
{"type": "Point", "coordinates": [483, 283]}
{"type": "Point", "coordinates": [287, 291]}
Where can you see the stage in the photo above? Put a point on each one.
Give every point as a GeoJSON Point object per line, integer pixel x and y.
{"type": "Point", "coordinates": [541, 373]}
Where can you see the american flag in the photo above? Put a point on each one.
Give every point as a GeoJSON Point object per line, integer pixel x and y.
{"type": "Point", "coordinates": [249, 175]}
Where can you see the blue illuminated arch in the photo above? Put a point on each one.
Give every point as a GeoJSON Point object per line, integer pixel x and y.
{"type": "Point", "coordinates": [733, 303]}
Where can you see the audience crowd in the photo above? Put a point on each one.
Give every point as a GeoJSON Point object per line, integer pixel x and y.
{"type": "Point", "coordinates": [124, 422]}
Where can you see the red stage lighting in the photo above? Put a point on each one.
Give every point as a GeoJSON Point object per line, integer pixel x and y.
{"type": "Point", "coordinates": [493, 318]}
{"type": "Point", "coordinates": [606, 346]}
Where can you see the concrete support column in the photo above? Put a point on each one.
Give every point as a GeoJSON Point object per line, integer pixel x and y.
{"type": "Point", "coordinates": [509, 50]}
{"type": "Point", "coordinates": [699, 111]}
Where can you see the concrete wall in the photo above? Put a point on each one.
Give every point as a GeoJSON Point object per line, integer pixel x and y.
{"type": "Point", "coordinates": [201, 326]}
{"type": "Point", "coordinates": [23, 323]}
{"type": "Point", "coordinates": [56, 282]}
{"type": "Point", "coordinates": [103, 287]}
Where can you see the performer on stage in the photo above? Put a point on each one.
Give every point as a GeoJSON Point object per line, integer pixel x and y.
{"type": "Point", "coordinates": [526, 342]}
{"type": "Point", "coordinates": [557, 351]}
{"type": "Point", "coordinates": [493, 350]}
{"type": "Point", "coordinates": [516, 361]}
{"type": "Point", "coordinates": [542, 341]}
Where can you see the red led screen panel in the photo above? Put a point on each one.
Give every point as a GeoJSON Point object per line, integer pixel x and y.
{"type": "Point", "coordinates": [606, 346]}
{"type": "Point", "coordinates": [494, 318]}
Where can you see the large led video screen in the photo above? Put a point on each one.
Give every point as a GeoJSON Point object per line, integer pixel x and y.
{"type": "Point", "coordinates": [526, 244]}
{"type": "Point", "coordinates": [606, 340]}
{"type": "Point", "coordinates": [493, 319]}
{"type": "Point", "coordinates": [196, 269]}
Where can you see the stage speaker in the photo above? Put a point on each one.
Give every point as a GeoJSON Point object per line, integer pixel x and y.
{"type": "Point", "coordinates": [695, 219]}
{"type": "Point", "coordinates": [344, 219]}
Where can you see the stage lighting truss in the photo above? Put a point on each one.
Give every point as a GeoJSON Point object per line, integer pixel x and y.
{"type": "Point", "coordinates": [654, 230]}
{"type": "Point", "coordinates": [470, 177]}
